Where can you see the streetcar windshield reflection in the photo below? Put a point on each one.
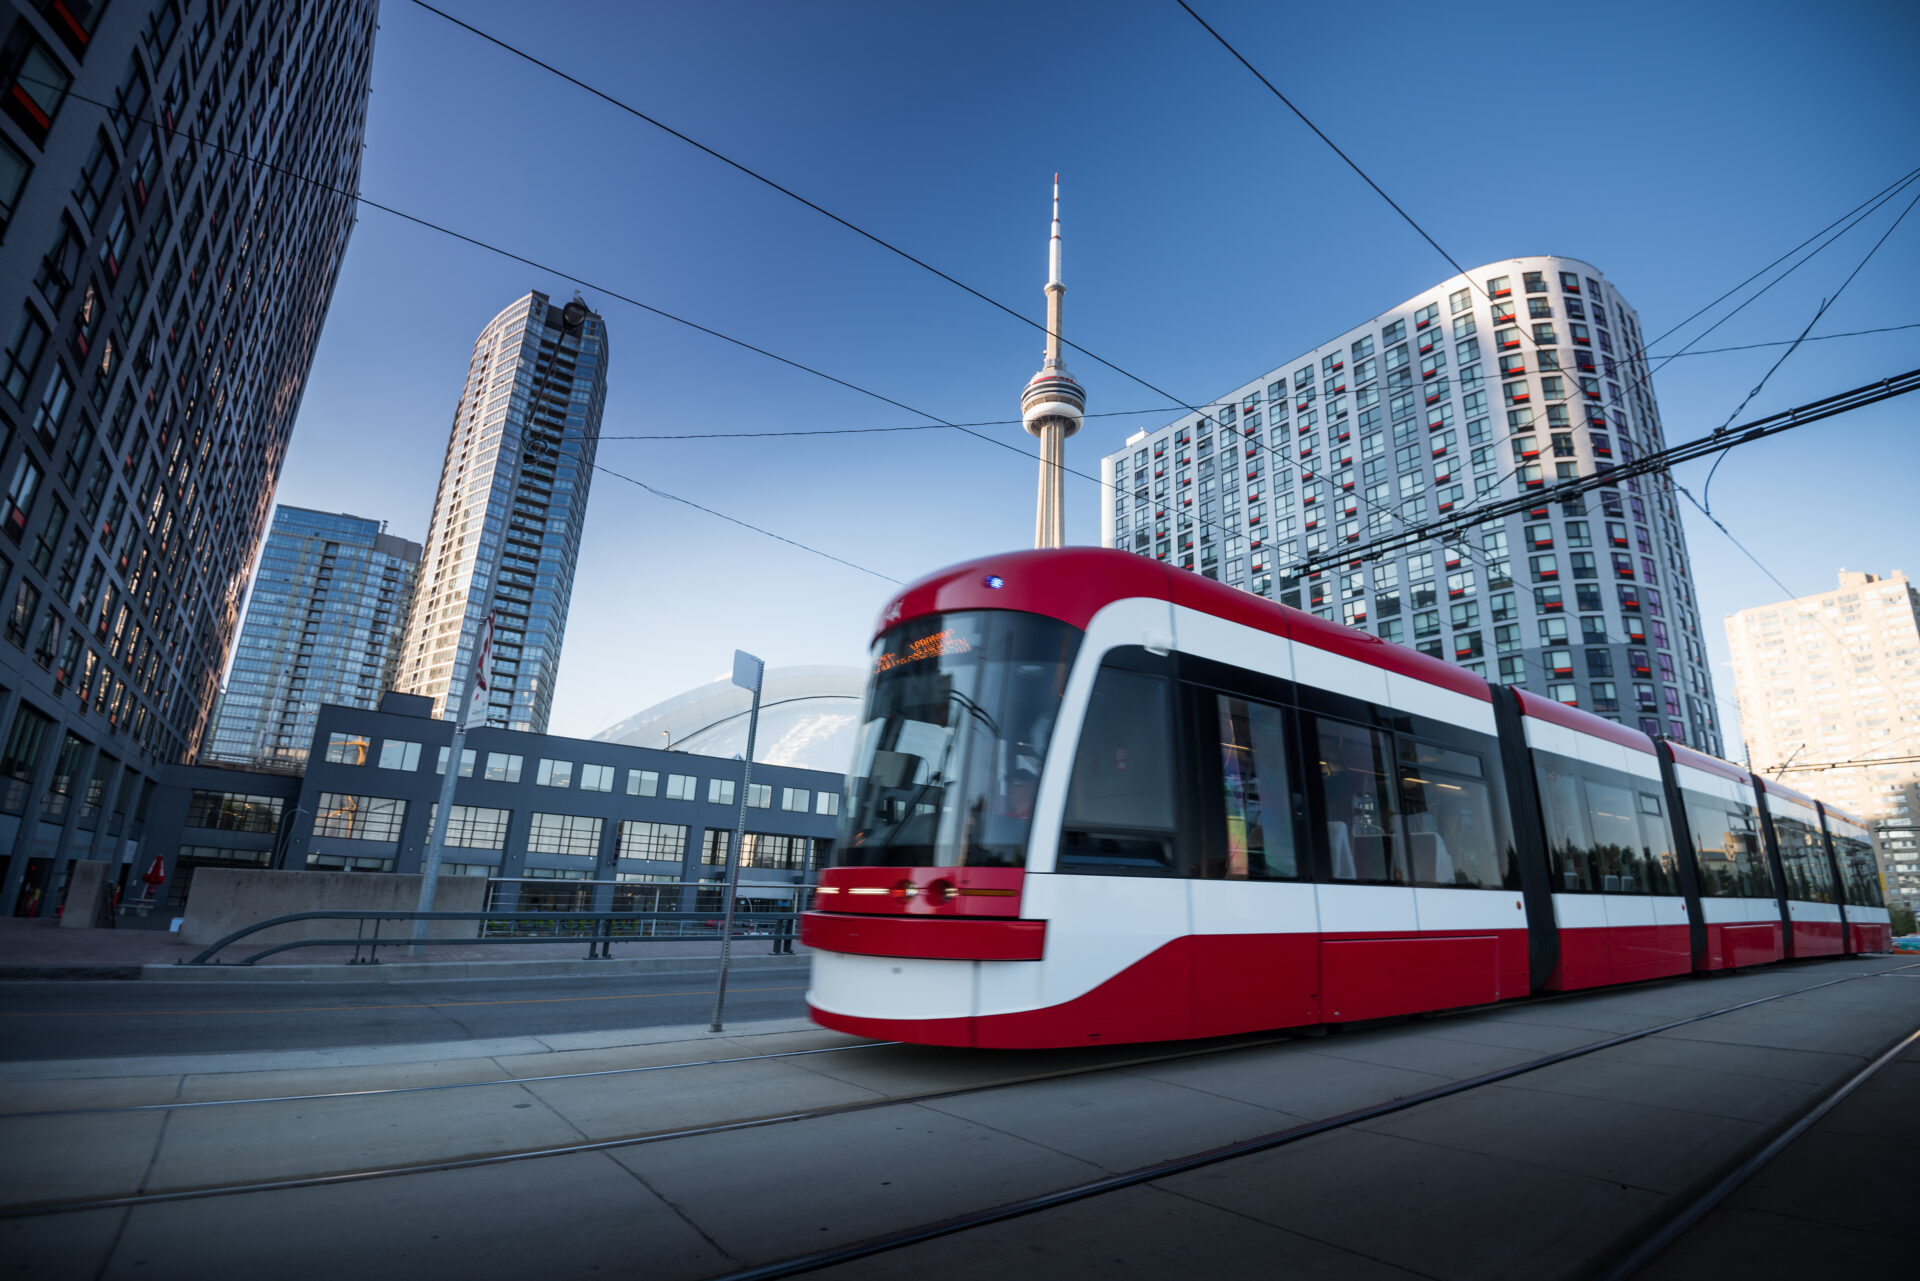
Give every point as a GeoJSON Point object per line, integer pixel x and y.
{"type": "Point", "coordinates": [960, 709]}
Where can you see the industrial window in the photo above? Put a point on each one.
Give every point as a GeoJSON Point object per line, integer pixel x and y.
{"type": "Point", "coordinates": [780, 853]}
{"type": "Point", "coordinates": [680, 787]}
{"type": "Point", "coordinates": [596, 778]}
{"type": "Point", "coordinates": [467, 758]}
{"type": "Point", "coordinates": [643, 782]}
{"type": "Point", "coordinates": [759, 796]}
{"type": "Point", "coordinates": [720, 791]}
{"type": "Point", "coordinates": [473, 827]}
{"type": "Point", "coordinates": [234, 811]}
{"type": "Point", "coordinates": [713, 846]}
{"type": "Point", "coordinates": [826, 802]}
{"type": "Point", "coordinates": [359, 818]}
{"type": "Point", "coordinates": [796, 799]}
{"type": "Point", "coordinates": [555, 773]}
{"type": "Point", "coordinates": [502, 768]}
{"type": "Point", "coordinates": [399, 754]}
{"type": "Point", "coordinates": [347, 749]}
{"type": "Point", "coordinates": [574, 835]}
{"type": "Point", "coordinates": [661, 842]}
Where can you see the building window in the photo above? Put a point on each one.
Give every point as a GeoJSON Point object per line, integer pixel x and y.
{"type": "Point", "coordinates": [555, 773]}
{"type": "Point", "coordinates": [472, 827]}
{"type": "Point", "coordinates": [680, 787]}
{"type": "Point", "coordinates": [660, 842]}
{"type": "Point", "coordinates": [596, 778]}
{"type": "Point", "coordinates": [720, 791]}
{"type": "Point", "coordinates": [347, 749]}
{"type": "Point", "coordinates": [780, 853]}
{"type": "Point", "coordinates": [359, 818]}
{"type": "Point", "coordinates": [398, 754]}
{"type": "Point", "coordinates": [467, 758]}
{"type": "Point", "coordinates": [795, 799]}
{"type": "Point", "coordinates": [643, 782]}
{"type": "Point", "coordinates": [759, 796]}
{"type": "Point", "coordinates": [502, 768]}
{"type": "Point", "coordinates": [713, 846]}
{"type": "Point", "coordinates": [234, 812]}
{"type": "Point", "coordinates": [826, 802]}
{"type": "Point", "coordinates": [574, 835]}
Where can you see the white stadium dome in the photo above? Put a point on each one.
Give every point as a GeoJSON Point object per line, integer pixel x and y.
{"type": "Point", "coordinates": [807, 719]}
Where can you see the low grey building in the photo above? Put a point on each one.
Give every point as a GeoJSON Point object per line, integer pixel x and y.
{"type": "Point", "coordinates": [558, 823]}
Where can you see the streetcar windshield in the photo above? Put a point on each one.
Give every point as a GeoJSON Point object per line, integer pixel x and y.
{"type": "Point", "coordinates": [960, 708]}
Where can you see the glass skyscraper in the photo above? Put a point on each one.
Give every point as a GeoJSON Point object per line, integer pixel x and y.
{"type": "Point", "coordinates": [1482, 388]}
{"type": "Point", "coordinates": [524, 354]}
{"type": "Point", "coordinates": [175, 200]}
{"type": "Point", "coordinates": [324, 624]}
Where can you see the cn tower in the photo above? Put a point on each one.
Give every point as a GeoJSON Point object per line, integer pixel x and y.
{"type": "Point", "coordinates": [1052, 405]}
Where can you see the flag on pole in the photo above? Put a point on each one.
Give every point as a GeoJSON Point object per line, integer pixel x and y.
{"type": "Point", "coordinates": [482, 679]}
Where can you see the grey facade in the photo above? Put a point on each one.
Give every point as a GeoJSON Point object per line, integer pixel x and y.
{"type": "Point", "coordinates": [174, 206]}
{"type": "Point", "coordinates": [371, 781]}
{"type": "Point", "coordinates": [324, 624]}
{"type": "Point", "coordinates": [523, 353]}
{"type": "Point", "coordinates": [1484, 387]}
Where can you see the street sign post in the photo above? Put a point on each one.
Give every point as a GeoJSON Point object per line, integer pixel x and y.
{"type": "Point", "coordinates": [747, 674]}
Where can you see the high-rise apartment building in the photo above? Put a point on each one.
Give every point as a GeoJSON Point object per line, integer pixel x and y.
{"type": "Point", "coordinates": [1486, 386]}
{"type": "Point", "coordinates": [1829, 695]}
{"type": "Point", "coordinates": [324, 625]}
{"type": "Point", "coordinates": [535, 388]}
{"type": "Point", "coordinates": [174, 205]}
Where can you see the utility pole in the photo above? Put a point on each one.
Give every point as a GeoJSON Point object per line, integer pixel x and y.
{"type": "Point", "coordinates": [573, 317]}
{"type": "Point", "coordinates": [747, 673]}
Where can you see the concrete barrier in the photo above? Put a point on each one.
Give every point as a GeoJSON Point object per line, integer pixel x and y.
{"type": "Point", "coordinates": [87, 905]}
{"type": "Point", "coordinates": [225, 899]}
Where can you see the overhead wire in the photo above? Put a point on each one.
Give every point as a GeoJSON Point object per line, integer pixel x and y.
{"type": "Point", "coordinates": [1825, 303]}
{"type": "Point", "coordinates": [1232, 533]}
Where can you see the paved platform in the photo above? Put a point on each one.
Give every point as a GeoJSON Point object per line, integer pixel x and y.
{"type": "Point", "coordinates": [1533, 1177]}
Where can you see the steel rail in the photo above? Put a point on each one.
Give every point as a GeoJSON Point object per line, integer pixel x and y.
{"type": "Point", "coordinates": [1742, 1170]}
{"type": "Point", "coordinates": [892, 1241]}
{"type": "Point", "coordinates": [1228, 1152]}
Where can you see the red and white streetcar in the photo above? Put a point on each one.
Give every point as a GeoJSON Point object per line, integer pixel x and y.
{"type": "Point", "coordinates": [1099, 800]}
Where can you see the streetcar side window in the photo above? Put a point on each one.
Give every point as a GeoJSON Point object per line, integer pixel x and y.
{"type": "Point", "coordinates": [1363, 828]}
{"type": "Point", "coordinates": [1453, 838]}
{"type": "Point", "coordinates": [1727, 847]}
{"type": "Point", "coordinates": [1860, 878]}
{"type": "Point", "coordinates": [1616, 837]}
{"type": "Point", "coordinates": [1568, 845]}
{"type": "Point", "coordinates": [1253, 769]}
{"type": "Point", "coordinates": [1119, 814]}
{"type": "Point", "coordinates": [1803, 858]}
{"type": "Point", "coordinates": [1656, 842]}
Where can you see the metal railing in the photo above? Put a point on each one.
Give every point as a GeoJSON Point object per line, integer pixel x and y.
{"type": "Point", "coordinates": [599, 930]}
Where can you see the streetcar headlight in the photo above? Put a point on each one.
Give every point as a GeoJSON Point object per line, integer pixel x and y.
{"type": "Point", "coordinates": [940, 893]}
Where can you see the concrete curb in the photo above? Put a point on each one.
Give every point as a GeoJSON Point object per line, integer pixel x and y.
{"type": "Point", "coordinates": [415, 971]}
{"type": "Point", "coordinates": [401, 1055]}
{"type": "Point", "coordinates": [67, 973]}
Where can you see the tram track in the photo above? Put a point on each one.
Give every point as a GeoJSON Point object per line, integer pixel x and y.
{"type": "Point", "coordinates": [882, 1244]}
{"type": "Point", "coordinates": [1742, 1168]}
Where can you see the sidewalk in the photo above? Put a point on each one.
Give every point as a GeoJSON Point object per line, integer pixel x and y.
{"type": "Point", "coordinates": [39, 949]}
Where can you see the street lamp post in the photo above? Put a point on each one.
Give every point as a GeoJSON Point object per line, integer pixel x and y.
{"type": "Point", "coordinates": [573, 317]}
{"type": "Point", "coordinates": [747, 673]}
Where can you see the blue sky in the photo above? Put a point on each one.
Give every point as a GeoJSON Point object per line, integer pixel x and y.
{"type": "Point", "coordinates": [1209, 237]}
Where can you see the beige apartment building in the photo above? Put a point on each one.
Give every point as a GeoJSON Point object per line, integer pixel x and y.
{"type": "Point", "coordinates": [1829, 694]}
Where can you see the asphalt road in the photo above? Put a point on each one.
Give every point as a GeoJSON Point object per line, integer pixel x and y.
{"type": "Point", "coordinates": [108, 1019]}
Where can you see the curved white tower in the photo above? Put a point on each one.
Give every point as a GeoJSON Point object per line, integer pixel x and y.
{"type": "Point", "coordinates": [1052, 406]}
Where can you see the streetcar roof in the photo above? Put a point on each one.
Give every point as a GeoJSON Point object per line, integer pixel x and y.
{"type": "Point", "coordinates": [1073, 584]}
